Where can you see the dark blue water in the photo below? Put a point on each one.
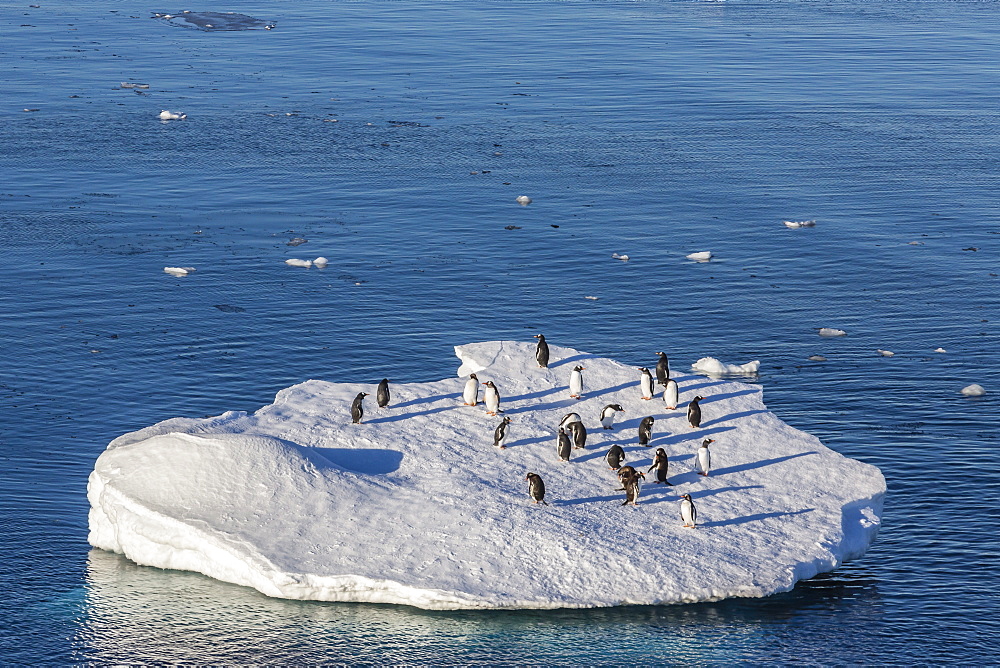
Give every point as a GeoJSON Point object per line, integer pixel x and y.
{"type": "Point", "coordinates": [654, 129]}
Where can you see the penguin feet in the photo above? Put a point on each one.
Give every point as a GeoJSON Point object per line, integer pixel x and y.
{"type": "Point", "coordinates": [647, 398]}
{"type": "Point", "coordinates": [704, 474]}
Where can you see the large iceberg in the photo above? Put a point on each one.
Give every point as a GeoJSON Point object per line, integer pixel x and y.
{"type": "Point", "coordinates": [417, 506]}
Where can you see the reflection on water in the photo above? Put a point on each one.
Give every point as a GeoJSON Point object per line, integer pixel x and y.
{"type": "Point", "coordinates": [145, 615]}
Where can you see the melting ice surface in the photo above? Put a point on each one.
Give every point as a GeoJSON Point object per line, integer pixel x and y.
{"type": "Point", "coordinates": [416, 506]}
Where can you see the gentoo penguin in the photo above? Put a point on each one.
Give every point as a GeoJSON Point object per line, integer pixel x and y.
{"type": "Point", "coordinates": [631, 486]}
{"type": "Point", "coordinates": [536, 488]}
{"type": "Point", "coordinates": [624, 472]}
{"type": "Point", "coordinates": [660, 463]}
{"type": "Point", "coordinates": [608, 415]}
{"type": "Point", "coordinates": [491, 397]}
{"type": "Point", "coordinates": [646, 430]}
{"type": "Point", "coordinates": [500, 434]}
{"type": "Point", "coordinates": [646, 384]}
{"type": "Point", "coordinates": [563, 446]}
{"type": "Point", "coordinates": [357, 410]}
{"type": "Point", "coordinates": [615, 457]}
{"type": "Point", "coordinates": [576, 382]}
{"type": "Point", "coordinates": [688, 512]}
{"type": "Point", "coordinates": [579, 433]}
{"type": "Point", "coordinates": [568, 419]}
{"type": "Point", "coordinates": [670, 394]}
{"type": "Point", "coordinates": [662, 369]}
{"type": "Point", "coordinates": [382, 393]}
{"type": "Point", "coordinates": [542, 352]}
{"type": "Point", "coordinates": [694, 412]}
{"type": "Point", "coordinates": [470, 397]}
{"type": "Point", "coordinates": [705, 457]}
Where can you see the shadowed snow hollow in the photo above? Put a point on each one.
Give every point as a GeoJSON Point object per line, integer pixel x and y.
{"type": "Point", "coordinates": [416, 506]}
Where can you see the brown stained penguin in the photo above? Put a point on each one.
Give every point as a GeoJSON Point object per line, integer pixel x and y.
{"type": "Point", "coordinates": [563, 445]}
{"type": "Point", "coordinates": [536, 488]}
{"type": "Point", "coordinates": [661, 463]}
{"type": "Point", "coordinates": [542, 352]}
{"type": "Point", "coordinates": [631, 485]}
{"type": "Point", "coordinates": [357, 409]}
{"type": "Point", "coordinates": [694, 412]}
{"type": "Point", "coordinates": [646, 430]}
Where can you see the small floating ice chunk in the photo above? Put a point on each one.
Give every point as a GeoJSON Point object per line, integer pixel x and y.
{"type": "Point", "coordinates": [128, 84]}
{"type": "Point", "coordinates": [973, 390]}
{"type": "Point", "coordinates": [884, 353]}
{"type": "Point", "coordinates": [816, 358]}
{"type": "Point", "coordinates": [795, 224]}
{"type": "Point", "coordinates": [178, 271]}
{"type": "Point", "coordinates": [712, 366]}
{"type": "Point", "coordinates": [940, 350]}
{"type": "Point", "coordinates": [294, 262]}
{"type": "Point", "coordinates": [523, 200]}
{"type": "Point", "coordinates": [623, 258]}
{"type": "Point", "coordinates": [830, 331]}
{"type": "Point", "coordinates": [592, 298]}
{"type": "Point", "coordinates": [320, 262]}
{"type": "Point", "coordinates": [166, 115]}
{"type": "Point", "coordinates": [700, 256]}
{"type": "Point", "coordinates": [297, 241]}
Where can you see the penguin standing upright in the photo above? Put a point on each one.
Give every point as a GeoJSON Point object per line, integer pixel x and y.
{"type": "Point", "coordinates": [576, 382]}
{"type": "Point", "coordinates": [470, 396]}
{"type": "Point", "coordinates": [615, 457]}
{"type": "Point", "coordinates": [661, 464]}
{"type": "Point", "coordinates": [646, 384]}
{"type": "Point", "coordinates": [688, 512]}
{"type": "Point", "coordinates": [579, 433]}
{"type": "Point", "coordinates": [608, 415]}
{"type": "Point", "coordinates": [568, 419]}
{"type": "Point", "coordinates": [694, 413]}
{"type": "Point", "coordinates": [705, 457]}
{"type": "Point", "coordinates": [563, 445]}
{"type": "Point", "coordinates": [646, 430]}
{"type": "Point", "coordinates": [501, 432]}
{"type": "Point", "coordinates": [357, 409]}
{"type": "Point", "coordinates": [631, 486]}
{"type": "Point", "coordinates": [536, 488]}
{"type": "Point", "coordinates": [671, 395]}
{"type": "Point", "coordinates": [542, 352]}
{"type": "Point", "coordinates": [662, 369]}
{"type": "Point", "coordinates": [491, 397]}
{"type": "Point", "coordinates": [382, 393]}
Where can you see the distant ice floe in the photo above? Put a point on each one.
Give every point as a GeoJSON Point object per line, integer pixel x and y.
{"type": "Point", "coordinates": [816, 358]}
{"type": "Point", "coordinates": [523, 200]}
{"type": "Point", "coordinates": [940, 350]}
{"type": "Point", "coordinates": [973, 390]}
{"type": "Point", "coordinates": [714, 367]}
{"type": "Point", "coordinates": [830, 331]}
{"type": "Point", "coordinates": [319, 262]}
{"type": "Point", "coordinates": [592, 298]}
{"type": "Point", "coordinates": [167, 115]}
{"type": "Point", "coordinates": [129, 84]}
{"type": "Point", "coordinates": [623, 258]}
{"type": "Point", "coordinates": [700, 256]}
{"type": "Point", "coordinates": [179, 271]}
{"type": "Point", "coordinates": [215, 21]}
{"type": "Point", "coordinates": [884, 353]}
{"type": "Point", "coordinates": [795, 224]}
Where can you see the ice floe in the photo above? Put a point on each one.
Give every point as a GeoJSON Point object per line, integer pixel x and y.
{"type": "Point", "coordinates": [973, 390]}
{"type": "Point", "coordinates": [167, 115]}
{"type": "Point", "coordinates": [714, 367]}
{"type": "Point", "coordinates": [700, 256]}
{"type": "Point", "coordinates": [523, 200]}
{"type": "Point", "coordinates": [416, 506]}
{"type": "Point", "coordinates": [178, 271]}
{"type": "Point", "coordinates": [830, 331]}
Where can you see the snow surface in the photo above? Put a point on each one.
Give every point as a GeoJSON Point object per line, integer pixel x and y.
{"type": "Point", "coordinates": [416, 506]}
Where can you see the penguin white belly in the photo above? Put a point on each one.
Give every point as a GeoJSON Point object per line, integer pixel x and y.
{"type": "Point", "coordinates": [670, 393]}
{"type": "Point", "coordinates": [608, 421]}
{"type": "Point", "coordinates": [688, 513]}
{"type": "Point", "coordinates": [704, 460]}
{"type": "Point", "coordinates": [471, 394]}
{"type": "Point", "coordinates": [647, 387]}
{"type": "Point", "coordinates": [492, 401]}
{"type": "Point", "coordinates": [575, 384]}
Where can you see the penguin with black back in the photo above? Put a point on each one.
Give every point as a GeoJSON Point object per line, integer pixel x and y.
{"type": "Point", "coordinates": [624, 473]}
{"type": "Point", "coordinates": [563, 445]}
{"type": "Point", "coordinates": [646, 383]}
{"type": "Point", "coordinates": [357, 409]}
{"type": "Point", "coordinates": [646, 430]}
{"type": "Point", "coordinates": [568, 419]}
{"type": "Point", "coordinates": [542, 352]}
{"type": "Point", "coordinates": [615, 457]}
{"type": "Point", "coordinates": [688, 512]}
{"type": "Point", "coordinates": [662, 369]}
{"type": "Point", "coordinates": [500, 434]}
{"type": "Point", "coordinates": [694, 412]}
{"type": "Point", "coordinates": [382, 393]}
{"type": "Point", "coordinates": [536, 488]}
{"type": "Point", "coordinates": [631, 485]}
{"type": "Point", "coordinates": [576, 382]}
{"type": "Point", "coordinates": [579, 433]}
{"type": "Point", "coordinates": [661, 463]}
{"type": "Point", "coordinates": [608, 415]}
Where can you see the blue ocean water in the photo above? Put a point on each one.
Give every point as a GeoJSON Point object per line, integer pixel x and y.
{"type": "Point", "coordinates": [394, 138]}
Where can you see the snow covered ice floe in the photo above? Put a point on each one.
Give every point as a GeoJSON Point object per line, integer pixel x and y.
{"type": "Point", "coordinates": [178, 271]}
{"type": "Point", "coordinates": [830, 331]}
{"type": "Point", "coordinates": [416, 506]}
{"type": "Point", "coordinates": [974, 390]}
{"type": "Point", "coordinates": [714, 367]}
{"type": "Point", "coordinates": [167, 115]}
{"type": "Point", "coordinates": [700, 256]}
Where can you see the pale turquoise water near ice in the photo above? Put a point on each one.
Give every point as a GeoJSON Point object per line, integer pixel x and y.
{"type": "Point", "coordinates": [649, 128]}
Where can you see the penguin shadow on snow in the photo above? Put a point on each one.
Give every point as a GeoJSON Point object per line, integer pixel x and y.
{"type": "Point", "coordinates": [530, 441]}
{"type": "Point", "coordinates": [712, 398]}
{"type": "Point", "coordinates": [588, 499]}
{"type": "Point", "coordinates": [705, 493]}
{"type": "Point", "coordinates": [570, 360]}
{"type": "Point", "coordinates": [759, 464]}
{"type": "Point", "coordinates": [404, 416]}
{"type": "Point", "coordinates": [734, 416]}
{"type": "Point", "coordinates": [373, 461]}
{"type": "Point", "coordinates": [533, 395]}
{"type": "Point", "coordinates": [426, 400]}
{"type": "Point", "coordinates": [673, 439]}
{"type": "Point", "coordinates": [753, 518]}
